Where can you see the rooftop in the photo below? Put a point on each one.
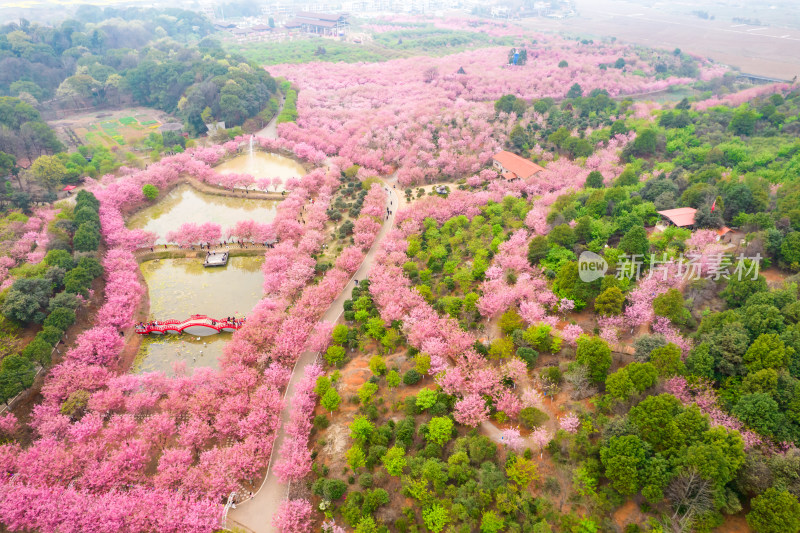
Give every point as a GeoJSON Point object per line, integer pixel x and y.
{"type": "Point", "coordinates": [519, 166]}
{"type": "Point", "coordinates": [683, 216]}
{"type": "Point", "coordinates": [318, 16]}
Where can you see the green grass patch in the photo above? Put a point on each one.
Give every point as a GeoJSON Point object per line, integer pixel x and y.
{"type": "Point", "coordinates": [148, 122]}
{"type": "Point", "coordinates": [385, 46]}
{"type": "Point", "coordinates": [119, 139]}
{"type": "Point", "coordinates": [128, 121]}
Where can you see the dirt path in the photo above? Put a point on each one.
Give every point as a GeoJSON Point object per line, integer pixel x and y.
{"type": "Point", "coordinates": [256, 513]}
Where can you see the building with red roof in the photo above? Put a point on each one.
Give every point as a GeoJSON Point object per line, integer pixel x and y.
{"type": "Point", "coordinates": [511, 166]}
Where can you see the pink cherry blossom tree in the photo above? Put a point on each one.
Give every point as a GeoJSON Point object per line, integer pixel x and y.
{"type": "Point", "coordinates": [569, 423]}
{"type": "Point", "coordinates": [471, 411]}
{"type": "Point", "coordinates": [293, 516]}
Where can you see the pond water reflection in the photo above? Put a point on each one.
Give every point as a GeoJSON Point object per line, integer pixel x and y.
{"type": "Point", "coordinates": [179, 288]}
{"type": "Point", "coordinates": [186, 204]}
{"type": "Point", "coordinates": [263, 165]}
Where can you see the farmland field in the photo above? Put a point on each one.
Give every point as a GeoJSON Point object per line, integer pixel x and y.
{"type": "Point", "coordinates": [110, 128]}
{"type": "Point", "coordinates": [763, 50]}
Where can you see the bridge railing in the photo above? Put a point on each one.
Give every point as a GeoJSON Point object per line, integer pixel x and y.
{"type": "Point", "coordinates": [195, 320]}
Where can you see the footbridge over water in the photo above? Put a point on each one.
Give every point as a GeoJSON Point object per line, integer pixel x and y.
{"type": "Point", "coordinates": [200, 325]}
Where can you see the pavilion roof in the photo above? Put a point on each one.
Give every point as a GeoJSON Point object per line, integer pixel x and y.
{"type": "Point", "coordinates": [682, 216]}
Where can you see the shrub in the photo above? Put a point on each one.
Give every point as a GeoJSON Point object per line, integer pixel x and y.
{"type": "Point", "coordinates": [60, 318]}
{"type": "Point", "coordinates": [91, 265]}
{"type": "Point", "coordinates": [377, 365]}
{"type": "Point", "coordinates": [392, 379]}
{"type": "Point", "coordinates": [87, 237]}
{"type": "Point", "coordinates": [334, 355]}
{"type": "Point", "coordinates": [365, 480]}
{"type": "Point", "coordinates": [78, 281]}
{"type": "Point", "coordinates": [529, 355]}
{"type": "Point", "coordinates": [321, 422]}
{"type": "Point", "coordinates": [531, 417]}
{"type": "Point", "coordinates": [411, 377]}
{"type": "Point", "coordinates": [374, 499]}
{"type": "Point", "coordinates": [552, 374]}
{"type": "Point", "coordinates": [150, 191]}
{"type": "Point", "coordinates": [366, 391]}
{"type": "Point", "coordinates": [76, 403]}
{"type": "Point", "coordinates": [60, 258]}
{"type": "Point", "coordinates": [86, 214]}
{"type": "Point", "coordinates": [38, 350]}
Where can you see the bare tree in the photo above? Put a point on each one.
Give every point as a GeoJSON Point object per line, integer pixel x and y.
{"type": "Point", "coordinates": [582, 386]}
{"type": "Point", "coordinates": [690, 496]}
{"type": "Point", "coordinates": [430, 74]}
{"type": "Point", "coordinates": [547, 385]}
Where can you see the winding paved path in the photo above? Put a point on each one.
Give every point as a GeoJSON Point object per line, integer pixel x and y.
{"type": "Point", "coordinates": [256, 513]}
{"type": "Point", "coordinates": [270, 131]}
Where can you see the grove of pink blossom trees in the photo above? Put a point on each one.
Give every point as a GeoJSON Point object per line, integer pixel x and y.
{"type": "Point", "coordinates": [27, 243]}
{"type": "Point", "coordinates": [388, 115]}
{"type": "Point", "coordinates": [153, 452]}
{"type": "Point", "coordinates": [206, 433]}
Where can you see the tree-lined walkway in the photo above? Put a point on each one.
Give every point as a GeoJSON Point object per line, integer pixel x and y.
{"type": "Point", "coordinates": [270, 131]}
{"type": "Point", "coordinates": [256, 513]}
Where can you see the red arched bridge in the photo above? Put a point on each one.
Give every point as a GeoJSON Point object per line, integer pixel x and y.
{"type": "Point", "coordinates": [200, 325]}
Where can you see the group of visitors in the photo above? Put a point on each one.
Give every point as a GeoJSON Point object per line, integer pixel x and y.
{"type": "Point", "coordinates": [233, 321]}
{"type": "Point", "coordinates": [147, 325]}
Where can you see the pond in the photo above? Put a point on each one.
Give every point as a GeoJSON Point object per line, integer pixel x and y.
{"type": "Point", "coordinates": [263, 165]}
{"type": "Point", "coordinates": [186, 204]}
{"type": "Point", "coordinates": [179, 288]}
